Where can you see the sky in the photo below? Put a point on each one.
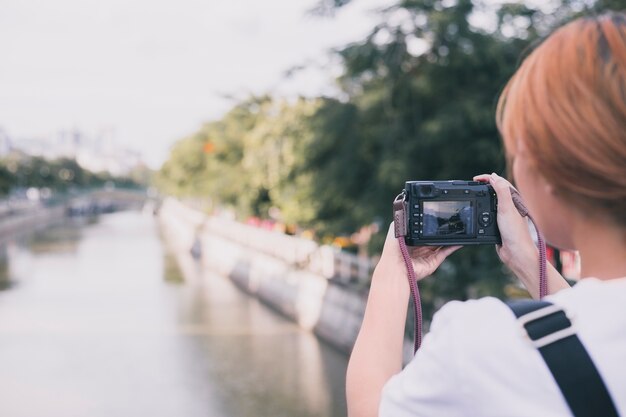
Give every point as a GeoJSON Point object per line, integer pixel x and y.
{"type": "Point", "coordinates": [152, 71]}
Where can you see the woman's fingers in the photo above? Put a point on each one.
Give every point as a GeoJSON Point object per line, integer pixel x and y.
{"type": "Point", "coordinates": [503, 190]}
{"type": "Point", "coordinates": [443, 253]}
{"type": "Point", "coordinates": [447, 251]}
{"type": "Point", "coordinates": [482, 178]}
{"type": "Point", "coordinates": [428, 258]}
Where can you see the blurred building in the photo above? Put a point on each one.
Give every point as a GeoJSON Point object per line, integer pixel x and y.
{"type": "Point", "coordinates": [98, 152]}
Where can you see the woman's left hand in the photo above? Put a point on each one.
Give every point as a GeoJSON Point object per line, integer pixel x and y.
{"type": "Point", "coordinates": [426, 259]}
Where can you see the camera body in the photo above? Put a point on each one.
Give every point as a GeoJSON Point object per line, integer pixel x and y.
{"type": "Point", "coordinates": [445, 213]}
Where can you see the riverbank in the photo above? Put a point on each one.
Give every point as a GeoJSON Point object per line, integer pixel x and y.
{"type": "Point", "coordinates": [31, 220]}
{"type": "Point", "coordinates": [294, 276]}
{"type": "Point", "coordinates": [36, 216]}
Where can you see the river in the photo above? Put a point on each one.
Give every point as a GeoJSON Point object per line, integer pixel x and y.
{"type": "Point", "coordinates": [101, 318]}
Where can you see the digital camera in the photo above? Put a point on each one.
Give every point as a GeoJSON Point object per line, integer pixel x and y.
{"type": "Point", "coordinates": [445, 213]}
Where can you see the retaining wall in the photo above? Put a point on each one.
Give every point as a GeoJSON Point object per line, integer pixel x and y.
{"type": "Point", "coordinates": [291, 275]}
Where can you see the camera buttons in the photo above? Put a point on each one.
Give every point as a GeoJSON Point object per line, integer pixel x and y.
{"type": "Point", "coordinates": [484, 219]}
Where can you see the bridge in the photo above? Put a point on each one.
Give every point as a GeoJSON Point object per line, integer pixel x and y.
{"type": "Point", "coordinates": [18, 214]}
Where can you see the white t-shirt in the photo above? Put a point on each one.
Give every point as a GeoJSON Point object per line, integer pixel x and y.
{"type": "Point", "coordinates": [476, 362]}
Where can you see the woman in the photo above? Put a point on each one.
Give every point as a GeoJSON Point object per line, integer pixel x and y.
{"type": "Point", "coordinates": [562, 117]}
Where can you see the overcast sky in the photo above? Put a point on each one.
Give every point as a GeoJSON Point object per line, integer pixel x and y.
{"type": "Point", "coordinates": [155, 70]}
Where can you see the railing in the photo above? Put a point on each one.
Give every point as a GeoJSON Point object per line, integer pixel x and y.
{"type": "Point", "coordinates": [351, 268]}
{"type": "Point", "coordinates": [301, 253]}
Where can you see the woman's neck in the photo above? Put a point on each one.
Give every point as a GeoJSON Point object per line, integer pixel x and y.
{"type": "Point", "coordinates": [602, 249]}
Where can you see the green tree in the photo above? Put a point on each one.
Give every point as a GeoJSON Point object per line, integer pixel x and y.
{"type": "Point", "coordinates": [418, 100]}
{"type": "Point", "coordinates": [6, 180]}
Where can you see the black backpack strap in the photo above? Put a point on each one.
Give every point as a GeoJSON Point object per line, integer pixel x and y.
{"type": "Point", "coordinates": [549, 329]}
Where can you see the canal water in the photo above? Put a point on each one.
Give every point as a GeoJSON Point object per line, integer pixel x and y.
{"type": "Point", "coordinates": [101, 318]}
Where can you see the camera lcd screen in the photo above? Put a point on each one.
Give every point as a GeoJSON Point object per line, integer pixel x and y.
{"type": "Point", "coordinates": [444, 218]}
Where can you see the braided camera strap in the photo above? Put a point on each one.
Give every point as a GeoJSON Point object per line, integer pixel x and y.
{"type": "Point", "coordinates": [400, 223]}
{"type": "Point", "coordinates": [543, 278]}
{"type": "Point", "coordinates": [400, 228]}
{"type": "Point", "coordinates": [523, 211]}
{"type": "Point", "coordinates": [415, 294]}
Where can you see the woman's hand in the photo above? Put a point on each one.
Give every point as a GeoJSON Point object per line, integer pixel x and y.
{"type": "Point", "coordinates": [377, 353]}
{"type": "Point", "coordinates": [426, 259]}
{"type": "Point", "coordinates": [518, 251]}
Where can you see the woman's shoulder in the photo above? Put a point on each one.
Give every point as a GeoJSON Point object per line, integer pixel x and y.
{"type": "Point", "coordinates": [489, 311]}
{"type": "Point", "coordinates": [488, 324]}
{"type": "Point", "coordinates": [470, 314]}
{"type": "Point", "coordinates": [476, 356]}
{"type": "Point", "coordinates": [478, 327]}
{"type": "Point", "coordinates": [474, 306]}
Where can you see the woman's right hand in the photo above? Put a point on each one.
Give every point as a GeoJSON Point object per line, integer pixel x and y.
{"type": "Point", "coordinates": [518, 251]}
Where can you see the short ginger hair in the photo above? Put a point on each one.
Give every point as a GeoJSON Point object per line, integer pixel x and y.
{"type": "Point", "coordinates": [567, 104]}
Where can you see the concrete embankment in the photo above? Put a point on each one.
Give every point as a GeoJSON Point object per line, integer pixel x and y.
{"type": "Point", "coordinates": [296, 277]}
{"type": "Point", "coordinates": [19, 223]}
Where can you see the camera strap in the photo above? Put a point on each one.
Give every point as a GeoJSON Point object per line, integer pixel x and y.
{"type": "Point", "coordinates": [549, 329]}
{"type": "Point", "coordinates": [523, 211]}
{"type": "Point", "coordinates": [400, 230]}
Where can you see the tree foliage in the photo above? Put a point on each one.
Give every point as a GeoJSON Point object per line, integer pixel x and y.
{"type": "Point", "coordinates": [20, 171]}
{"type": "Point", "coordinates": [417, 101]}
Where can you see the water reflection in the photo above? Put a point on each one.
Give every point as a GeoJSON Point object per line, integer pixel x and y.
{"type": "Point", "coordinates": [62, 237]}
{"type": "Point", "coordinates": [266, 366]}
{"type": "Point", "coordinates": [5, 277]}
{"type": "Point", "coordinates": [106, 322]}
